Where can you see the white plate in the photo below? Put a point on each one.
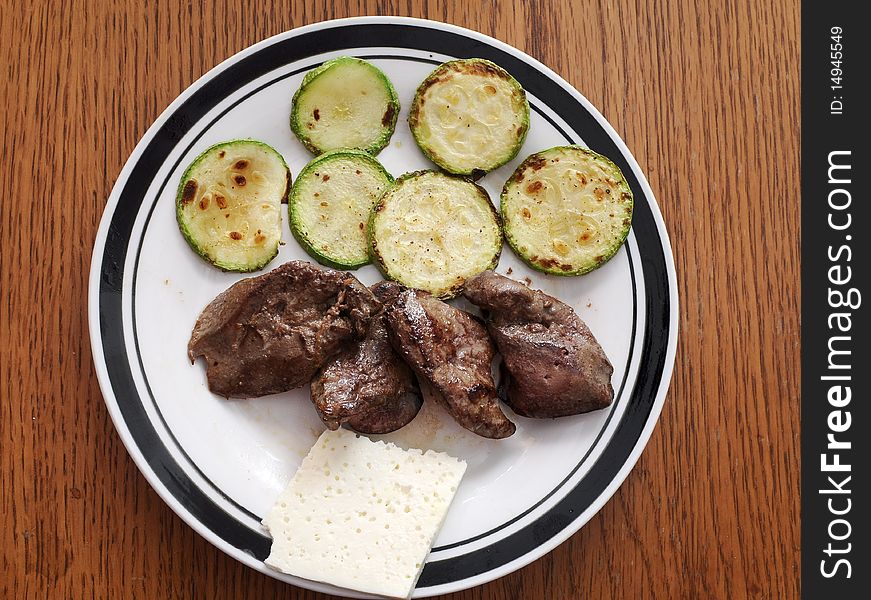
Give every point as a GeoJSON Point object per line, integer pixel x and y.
{"type": "Point", "coordinates": [219, 464]}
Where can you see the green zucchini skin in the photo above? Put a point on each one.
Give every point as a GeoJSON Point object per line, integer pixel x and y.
{"type": "Point", "coordinates": [311, 124]}
{"type": "Point", "coordinates": [566, 210]}
{"type": "Point", "coordinates": [449, 110]}
{"type": "Point", "coordinates": [432, 231]}
{"type": "Point", "coordinates": [341, 185]}
{"type": "Point", "coordinates": [200, 193]}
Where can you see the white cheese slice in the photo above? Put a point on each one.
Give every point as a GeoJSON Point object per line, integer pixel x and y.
{"type": "Point", "coordinates": [361, 514]}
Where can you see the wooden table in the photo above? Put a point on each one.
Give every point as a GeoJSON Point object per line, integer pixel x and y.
{"type": "Point", "coordinates": [705, 95]}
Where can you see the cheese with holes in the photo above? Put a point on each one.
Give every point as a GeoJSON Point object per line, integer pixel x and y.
{"type": "Point", "coordinates": [361, 514]}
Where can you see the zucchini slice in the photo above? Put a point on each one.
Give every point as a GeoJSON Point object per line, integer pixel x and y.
{"type": "Point", "coordinates": [330, 205]}
{"type": "Point", "coordinates": [432, 232]}
{"type": "Point", "coordinates": [228, 205]}
{"type": "Point", "coordinates": [566, 210]}
{"type": "Point", "coordinates": [345, 103]}
{"type": "Point", "coordinates": [469, 116]}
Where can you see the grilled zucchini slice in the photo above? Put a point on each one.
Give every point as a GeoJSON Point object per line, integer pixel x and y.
{"type": "Point", "coordinates": [469, 116]}
{"type": "Point", "coordinates": [228, 205]}
{"type": "Point", "coordinates": [330, 205]}
{"type": "Point", "coordinates": [432, 232]}
{"type": "Point", "coordinates": [566, 210]}
{"type": "Point", "coordinates": [345, 103]}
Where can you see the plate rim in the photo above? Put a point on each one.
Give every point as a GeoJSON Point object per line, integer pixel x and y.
{"type": "Point", "coordinates": [102, 368]}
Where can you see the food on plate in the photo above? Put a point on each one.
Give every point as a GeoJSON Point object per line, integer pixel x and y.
{"type": "Point", "coordinates": [450, 349]}
{"type": "Point", "coordinates": [330, 204]}
{"type": "Point", "coordinates": [552, 364]}
{"type": "Point", "coordinates": [469, 116]}
{"type": "Point", "coordinates": [362, 515]}
{"type": "Point", "coordinates": [367, 385]}
{"type": "Point", "coordinates": [271, 333]}
{"type": "Point", "coordinates": [345, 103]}
{"type": "Point", "coordinates": [228, 205]}
{"type": "Point", "coordinates": [566, 210]}
{"type": "Point", "coordinates": [432, 232]}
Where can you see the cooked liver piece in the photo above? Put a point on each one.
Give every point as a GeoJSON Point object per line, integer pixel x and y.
{"type": "Point", "coordinates": [451, 350]}
{"type": "Point", "coordinates": [553, 366]}
{"type": "Point", "coordinates": [271, 333]}
{"type": "Point", "coordinates": [368, 385]}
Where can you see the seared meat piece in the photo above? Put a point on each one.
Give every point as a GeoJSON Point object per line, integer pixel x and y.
{"type": "Point", "coordinates": [271, 333]}
{"type": "Point", "coordinates": [450, 349]}
{"type": "Point", "coordinates": [388, 416]}
{"type": "Point", "coordinates": [553, 366]}
{"type": "Point", "coordinates": [367, 385]}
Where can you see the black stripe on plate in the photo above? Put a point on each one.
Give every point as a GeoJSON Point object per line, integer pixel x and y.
{"type": "Point", "coordinates": [418, 37]}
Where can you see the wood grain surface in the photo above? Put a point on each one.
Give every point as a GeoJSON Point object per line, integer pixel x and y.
{"type": "Point", "coordinates": [705, 93]}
